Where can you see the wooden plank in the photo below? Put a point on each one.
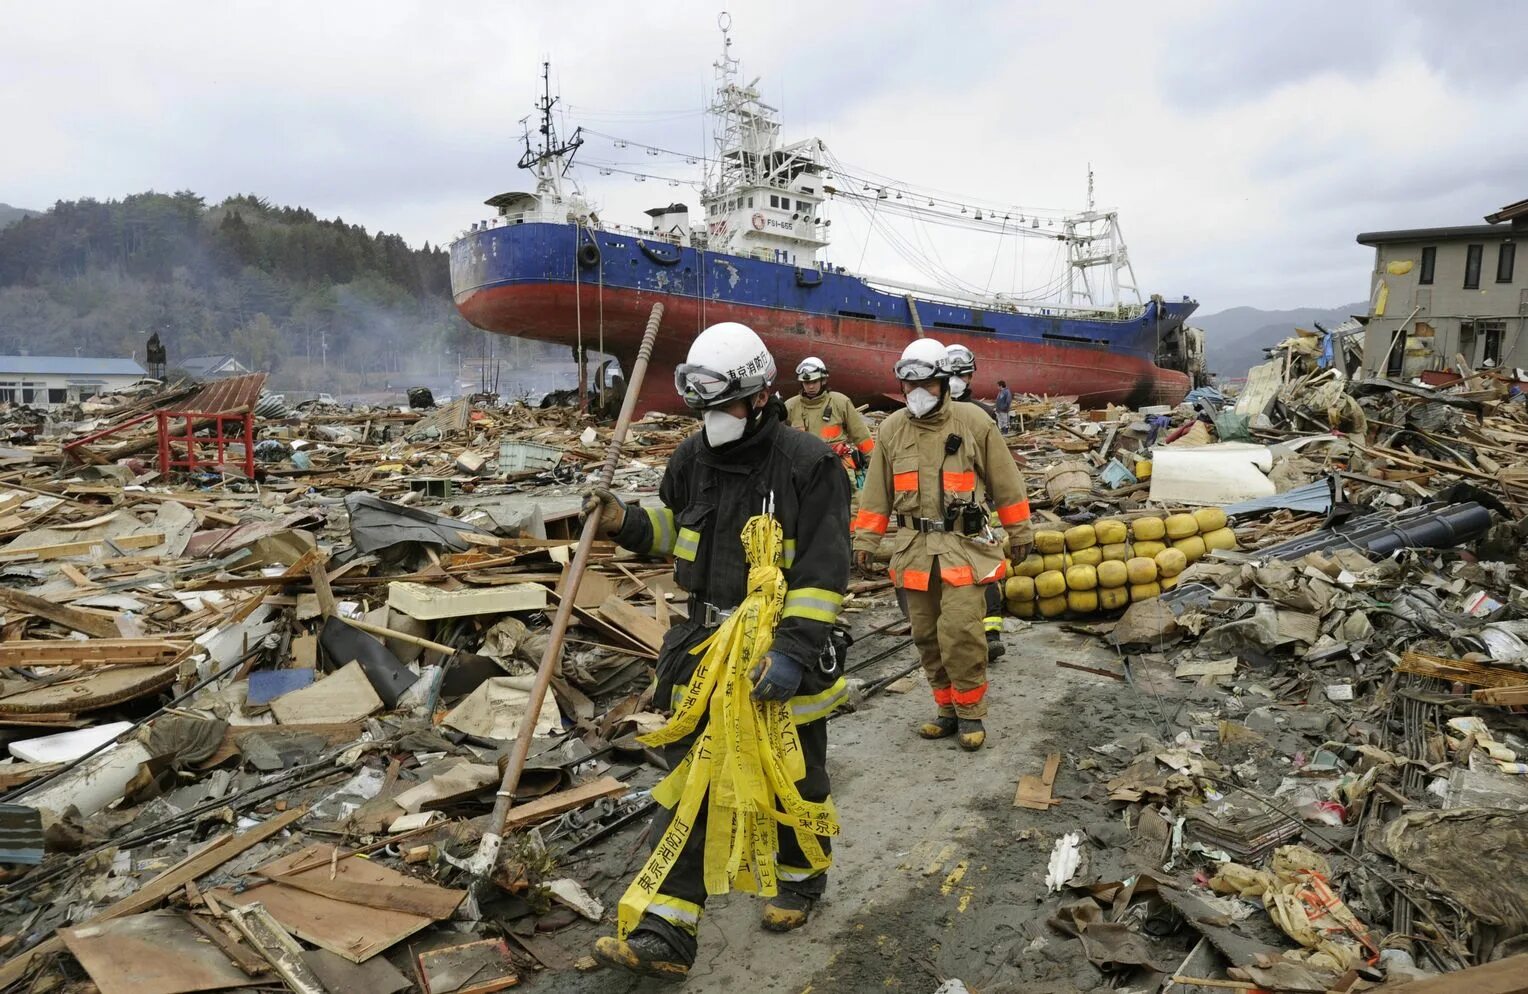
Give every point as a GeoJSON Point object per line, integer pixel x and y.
{"type": "Point", "coordinates": [1460, 671]}
{"type": "Point", "coordinates": [417, 898]}
{"type": "Point", "coordinates": [1504, 976]}
{"type": "Point", "coordinates": [634, 623]}
{"type": "Point", "coordinates": [211, 856]}
{"type": "Point", "coordinates": [350, 930]}
{"type": "Point", "coordinates": [543, 808]}
{"type": "Point", "coordinates": [65, 549]}
{"type": "Point", "coordinates": [326, 604]}
{"type": "Point", "coordinates": [154, 953]}
{"type": "Point", "coordinates": [96, 652]}
{"type": "Point", "coordinates": [96, 689]}
{"type": "Point", "coordinates": [97, 624]}
{"type": "Point", "coordinates": [1505, 696]}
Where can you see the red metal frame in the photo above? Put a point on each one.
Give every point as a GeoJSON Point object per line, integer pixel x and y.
{"type": "Point", "coordinates": [170, 461]}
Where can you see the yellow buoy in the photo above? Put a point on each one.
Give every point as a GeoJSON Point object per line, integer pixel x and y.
{"type": "Point", "coordinates": [1048, 542]}
{"type": "Point", "coordinates": [1081, 537]}
{"type": "Point", "coordinates": [1168, 582]}
{"type": "Point", "coordinates": [1019, 588]}
{"type": "Point", "coordinates": [1081, 578]}
{"type": "Point", "coordinates": [1051, 583]}
{"type": "Point", "coordinates": [1113, 598]}
{"type": "Point", "coordinates": [1181, 526]}
{"type": "Point", "coordinates": [1113, 573]}
{"type": "Point", "coordinates": [1057, 561]}
{"type": "Point", "coordinates": [1192, 547]}
{"type": "Point", "coordinates": [1150, 529]}
{"type": "Point", "coordinates": [1141, 570]}
{"type": "Point", "coordinates": [1032, 566]}
{"type": "Point", "coordinates": [1143, 469]}
{"type": "Point", "coordinates": [1209, 519]}
{"type": "Point", "coordinates": [1088, 557]}
{"type": "Point", "coordinates": [1052, 607]}
{"type": "Point", "coordinates": [1171, 562]}
{"type": "Point", "coordinates": [1082, 601]}
{"type": "Point", "coordinates": [1111, 531]}
{"type": "Point", "coordinates": [1118, 551]}
{"type": "Point", "coordinates": [1149, 550]}
{"type": "Point", "coordinates": [1144, 591]}
{"type": "Point", "coordinates": [1220, 538]}
{"type": "Point", "coordinates": [1021, 609]}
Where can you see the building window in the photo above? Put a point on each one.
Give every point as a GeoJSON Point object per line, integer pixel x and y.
{"type": "Point", "coordinates": [750, 202]}
{"type": "Point", "coordinates": [774, 201]}
{"type": "Point", "coordinates": [803, 206]}
{"type": "Point", "coordinates": [1491, 334]}
{"type": "Point", "coordinates": [1429, 259]}
{"type": "Point", "coordinates": [1505, 257]}
{"type": "Point", "coordinates": [57, 396]}
{"type": "Point", "coordinates": [1472, 256]}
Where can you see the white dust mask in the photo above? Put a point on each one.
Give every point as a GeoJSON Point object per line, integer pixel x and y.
{"type": "Point", "coordinates": [722, 427]}
{"type": "Point", "coordinates": [921, 401]}
{"type": "Point", "coordinates": [957, 385]}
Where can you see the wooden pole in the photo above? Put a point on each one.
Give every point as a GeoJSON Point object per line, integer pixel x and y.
{"type": "Point", "coordinates": [483, 861]}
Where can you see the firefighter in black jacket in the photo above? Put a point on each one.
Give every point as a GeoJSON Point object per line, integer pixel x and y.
{"type": "Point", "coordinates": [744, 459]}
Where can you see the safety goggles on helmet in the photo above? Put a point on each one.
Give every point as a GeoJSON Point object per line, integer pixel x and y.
{"type": "Point", "coordinates": [915, 370]}
{"type": "Point", "coordinates": [701, 388]}
{"type": "Point", "coordinates": [961, 360]}
{"type": "Point", "coordinates": [811, 372]}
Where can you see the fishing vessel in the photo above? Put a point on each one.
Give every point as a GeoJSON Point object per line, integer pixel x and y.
{"type": "Point", "coordinates": [546, 266]}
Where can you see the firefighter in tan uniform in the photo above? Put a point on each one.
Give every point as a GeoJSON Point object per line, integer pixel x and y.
{"type": "Point", "coordinates": [934, 467]}
{"type": "Point", "coordinates": [830, 416]}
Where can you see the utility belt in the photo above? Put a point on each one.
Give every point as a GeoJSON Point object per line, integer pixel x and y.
{"type": "Point", "coordinates": [830, 662]}
{"type": "Point", "coordinates": [964, 518]}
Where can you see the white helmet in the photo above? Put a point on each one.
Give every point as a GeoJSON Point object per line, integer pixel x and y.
{"type": "Point", "coordinates": [726, 361]}
{"type": "Point", "coordinates": [962, 361]}
{"type": "Point", "coordinates": [923, 359]}
{"type": "Point", "coordinates": [811, 369]}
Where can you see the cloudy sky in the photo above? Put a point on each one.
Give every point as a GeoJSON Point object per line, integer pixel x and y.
{"type": "Point", "coordinates": [1244, 144]}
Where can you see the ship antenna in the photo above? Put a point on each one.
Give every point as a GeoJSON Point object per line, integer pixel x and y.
{"type": "Point", "coordinates": [550, 150]}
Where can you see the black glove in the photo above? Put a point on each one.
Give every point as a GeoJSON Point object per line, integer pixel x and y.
{"type": "Point", "coordinates": [610, 509]}
{"type": "Point", "coordinates": [776, 677]}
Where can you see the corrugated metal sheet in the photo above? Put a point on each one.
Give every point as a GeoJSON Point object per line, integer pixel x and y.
{"type": "Point", "coordinates": [1314, 497]}
{"type": "Point", "coordinates": [234, 395]}
{"type": "Point", "coordinates": [59, 365]}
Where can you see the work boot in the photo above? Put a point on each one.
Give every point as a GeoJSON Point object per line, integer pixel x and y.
{"type": "Point", "coordinates": [787, 911]}
{"type": "Point", "coordinates": [972, 734]}
{"type": "Point", "coordinates": [995, 647]}
{"type": "Point", "coordinates": [940, 728]}
{"type": "Point", "coordinates": [645, 953]}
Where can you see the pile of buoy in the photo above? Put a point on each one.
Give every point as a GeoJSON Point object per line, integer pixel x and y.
{"type": "Point", "coordinates": [1107, 565]}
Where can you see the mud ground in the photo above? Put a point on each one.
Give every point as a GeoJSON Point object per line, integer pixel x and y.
{"type": "Point", "coordinates": [937, 874]}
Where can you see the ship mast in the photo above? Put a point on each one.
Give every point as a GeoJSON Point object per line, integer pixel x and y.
{"type": "Point", "coordinates": [549, 160]}
{"type": "Point", "coordinates": [761, 199]}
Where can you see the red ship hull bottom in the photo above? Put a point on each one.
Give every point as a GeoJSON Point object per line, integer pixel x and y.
{"type": "Point", "coordinates": [859, 353]}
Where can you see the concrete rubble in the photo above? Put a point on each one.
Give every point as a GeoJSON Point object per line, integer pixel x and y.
{"type": "Point", "coordinates": [255, 716]}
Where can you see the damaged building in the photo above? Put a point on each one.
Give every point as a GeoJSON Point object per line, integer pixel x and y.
{"type": "Point", "coordinates": [1439, 293]}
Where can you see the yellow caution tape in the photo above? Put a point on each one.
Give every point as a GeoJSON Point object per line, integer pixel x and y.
{"type": "Point", "coordinates": [744, 764]}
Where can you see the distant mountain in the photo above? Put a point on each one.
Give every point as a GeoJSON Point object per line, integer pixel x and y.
{"type": "Point", "coordinates": [10, 215]}
{"type": "Point", "coordinates": [1234, 339]}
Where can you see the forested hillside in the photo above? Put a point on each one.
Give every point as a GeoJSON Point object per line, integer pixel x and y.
{"type": "Point", "coordinates": [280, 288]}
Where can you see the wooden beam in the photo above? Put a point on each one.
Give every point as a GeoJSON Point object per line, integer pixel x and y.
{"type": "Point", "coordinates": [564, 800]}
{"type": "Point", "coordinates": [95, 652]}
{"type": "Point", "coordinates": [39, 552]}
{"type": "Point", "coordinates": [73, 618]}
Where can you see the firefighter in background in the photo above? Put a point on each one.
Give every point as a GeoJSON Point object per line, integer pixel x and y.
{"type": "Point", "coordinates": [830, 416]}
{"type": "Point", "coordinates": [937, 463]}
{"type": "Point", "coordinates": [962, 363]}
{"type": "Point", "coordinates": [717, 479]}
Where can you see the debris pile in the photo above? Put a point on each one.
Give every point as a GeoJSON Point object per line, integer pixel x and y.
{"type": "Point", "coordinates": [258, 717]}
